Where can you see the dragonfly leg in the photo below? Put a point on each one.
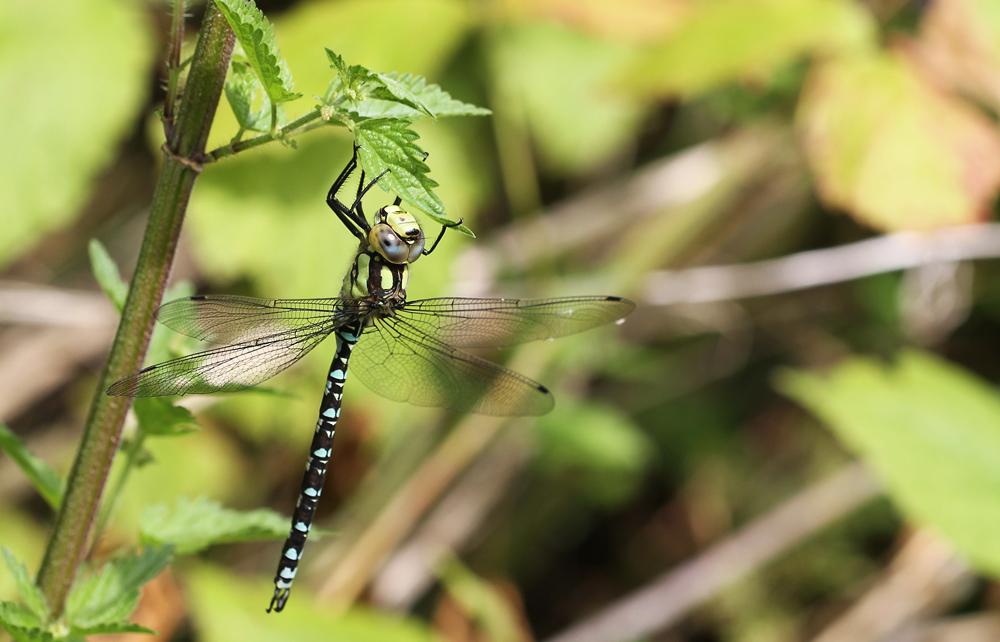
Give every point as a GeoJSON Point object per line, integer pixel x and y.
{"type": "Point", "coordinates": [351, 219]}
{"type": "Point", "coordinates": [441, 235]}
{"type": "Point", "coordinates": [319, 457]}
{"type": "Point", "coordinates": [367, 187]}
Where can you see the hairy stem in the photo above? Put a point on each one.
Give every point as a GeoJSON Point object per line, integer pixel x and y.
{"type": "Point", "coordinates": [183, 155]}
{"type": "Point", "coordinates": [301, 124]}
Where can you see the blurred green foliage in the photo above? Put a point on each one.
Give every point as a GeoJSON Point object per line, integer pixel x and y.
{"type": "Point", "coordinates": [930, 430]}
{"type": "Point", "coordinates": [663, 441]}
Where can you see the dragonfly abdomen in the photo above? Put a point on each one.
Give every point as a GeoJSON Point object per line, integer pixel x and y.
{"type": "Point", "coordinates": [319, 457]}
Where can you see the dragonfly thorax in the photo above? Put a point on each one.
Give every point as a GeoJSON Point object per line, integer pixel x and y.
{"type": "Point", "coordinates": [396, 235]}
{"type": "Point", "coordinates": [380, 282]}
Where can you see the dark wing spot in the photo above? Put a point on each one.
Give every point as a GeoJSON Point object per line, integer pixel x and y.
{"type": "Point", "coordinates": [614, 298]}
{"type": "Point", "coordinates": [198, 297]}
{"type": "Point", "coordinates": [542, 388]}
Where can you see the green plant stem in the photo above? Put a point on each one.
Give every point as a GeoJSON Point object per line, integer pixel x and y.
{"type": "Point", "coordinates": [300, 125]}
{"type": "Point", "coordinates": [181, 165]}
{"type": "Point", "coordinates": [111, 499]}
{"type": "Point", "coordinates": [173, 62]}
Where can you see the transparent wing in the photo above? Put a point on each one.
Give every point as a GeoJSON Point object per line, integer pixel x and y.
{"type": "Point", "coordinates": [398, 360]}
{"type": "Point", "coordinates": [236, 319]}
{"type": "Point", "coordinates": [235, 367]}
{"type": "Point", "coordinates": [487, 323]}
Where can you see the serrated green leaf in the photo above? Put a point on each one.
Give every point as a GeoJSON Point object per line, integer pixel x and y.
{"type": "Point", "coordinates": [112, 627]}
{"type": "Point", "coordinates": [437, 101]}
{"type": "Point", "coordinates": [45, 480]}
{"type": "Point", "coordinates": [34, 601]}
{"type": "Point", "coordinates": [112, 593]}
{"type": "Point", "coordinates": [929, 429]}
{"type": "Point", "coordinates": [160, 418]}
{"type": "Point", "coordinates": [256, 35]}
{"type": "Point", "coordinates": [194, 525]}
{"type": "Point", "coordinates": [388, 144]}
{"type": "Point", "coordinates": [21, 624]}
{"type": "Point", "coordinates": [399, 92]}
{"type": "Point", "coordinates": [19, 615]}
{"type": "Point", "coordinates": [107, 274]}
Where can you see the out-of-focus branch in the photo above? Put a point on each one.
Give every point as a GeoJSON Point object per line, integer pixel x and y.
{"type": "Point", "coordinates": [455, 520]}
{"type": "Point", "coordinates": [925, 578]}
{"type": "Point", "coordinates": [30, 304]}
{"type": "Point", "coordinates": [886, 253]}
{"type": "Point", "coordinates": [666, 600]}
{"type": "Point", "coordinates": [979, 627]}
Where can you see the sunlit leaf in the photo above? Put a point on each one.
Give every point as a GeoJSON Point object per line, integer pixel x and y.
{"type": "Point", "coordinates": [400, 92]}
{"type": "Point", "coordinates": [724, 41]}
{"type": "Point", "coordinates": [256, 35]}
{"type": "Point", "coordinates": [46, 481]}
{"type": "Point", "coordinates": [74, 74]}
{"type": "Point", "coordinates": [107, 274]}
{"type": "Point", "coordinates": [893, 151]}
{"type": "Point", "coordinates": [435, 99]}
{"type": "Point", "coordinates": [109, 595]}
{"type": "Point", "coordinates": [227, 608]}
{"type": "Point", "coordinates": [158, 417]}
{"type": "Point", "coordinates": [929, 429]}
{"type": "Point", "coordinates": [193, 525]}
{"type": "Point", "coordinates": [389, 144]}
{"type": "Point", "coordinates": [34, 601]}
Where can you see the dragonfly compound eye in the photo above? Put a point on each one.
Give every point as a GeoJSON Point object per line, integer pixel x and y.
{"type": "Point", "coordinates": [387, 243]}
{"type": "Point", "coordinates": [416, 248]}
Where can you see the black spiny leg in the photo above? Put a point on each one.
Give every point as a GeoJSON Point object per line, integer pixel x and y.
{"type": "Point", "coordinates": [441, 235]}
{"type": "Point", "coordinates": [349, 217]}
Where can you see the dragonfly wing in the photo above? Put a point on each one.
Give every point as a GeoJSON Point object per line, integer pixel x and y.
{"type": "Point", "coordinates": [236, 319]}
{"type": "Point", "coordinates": [399, 361]}
{"type": "Point", "coordinates": [486, 323]}
{"type": "Point", "coordinates": [227, 369]}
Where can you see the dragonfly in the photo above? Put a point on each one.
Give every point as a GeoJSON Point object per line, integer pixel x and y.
{"type": "Point", "coordinates": [407, 351]}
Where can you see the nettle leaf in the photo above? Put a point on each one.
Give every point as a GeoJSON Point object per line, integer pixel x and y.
{"type": "Point", "coordinates": [19, 616]}
{"type": "Point", "coordinates": [392, 89]}
{"type": "Point", "coordinates": [388, 144]}
{"type": "Point", "coordinates": [112, 593]}
{"type": "Point", "coordinates": [46, 481]}
{"type": "Point", "coordinates": [21, 624]}
{"type": "Point", "coordinates": [351, 77]}
{"type": "Point", "coordinates": [112, 627]}
{"type": "Point", "coordinates": [437, 102]}
{"type": "Point", "coordinates": [34, 601]}
{"type": "Point", "coordinates": [196, 524]}
{"type": "Point", "coordinates": [242, 88]}
{"type": "Point", "coordinates": [256, 35]}
{"type": "Point", "coordinates": [107, 274]}
{"type": "Point", "coordinates": [160, 418]}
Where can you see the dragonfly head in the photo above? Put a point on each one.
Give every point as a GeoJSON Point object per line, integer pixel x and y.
{"type": "Point", "coordinates": [396, 235]}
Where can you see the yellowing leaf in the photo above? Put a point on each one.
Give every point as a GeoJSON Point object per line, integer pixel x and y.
{"type": "Point", "coordinates": [960, 44]}
{"type": "Point", "coordinates": [893, 151]}
{"type": "Point", "coordinates": [630, 20]}
{"type": "Point", "coordinates": [726, 40]}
